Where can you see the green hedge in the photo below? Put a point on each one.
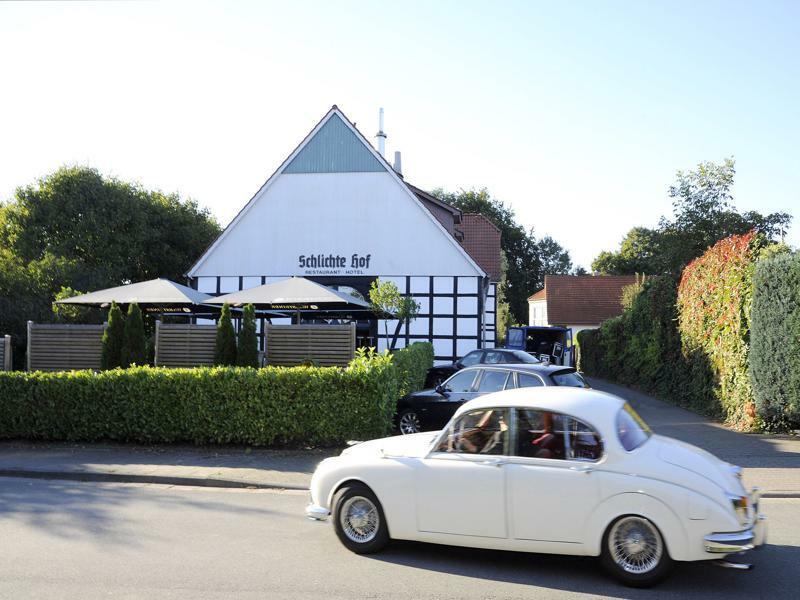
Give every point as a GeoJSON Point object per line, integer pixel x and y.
{"type": "Point", "coordinates": [412, 364]}
{"type": "Point", "coordinates": [273, 405]}
{"type": "Point", "coordinates": [723, 343]}
{"type": "Point", "coordinates": [642, 348]}
{"type": "Point", "coordinates": [775, 347]}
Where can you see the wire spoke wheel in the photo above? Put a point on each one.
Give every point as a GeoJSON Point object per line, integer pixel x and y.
{"type": "Point", "coordinates": [359, 519]}
{"type": "Point", "coordinates": [635, 545]}
{"type": "Point", "coordinates": [409, 423]}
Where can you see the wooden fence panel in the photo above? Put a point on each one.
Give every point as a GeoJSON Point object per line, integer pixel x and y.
{"type": "Point", "coordinates": [185, 345]}
{"type": "Point", "coordinates": [64, 347]}
{"type": "Point", "coordinates": [5, 353]}
{"type": "Point", "coordinates": [323, 345]}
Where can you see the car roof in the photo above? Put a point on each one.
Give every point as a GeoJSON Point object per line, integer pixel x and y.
{"type": "Point", "coordinates": [544, 368]}
{"type": "Point", "coordinates": [589, 404]}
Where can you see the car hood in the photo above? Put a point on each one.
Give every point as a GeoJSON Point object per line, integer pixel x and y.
{"type": "Point", "coordinates": [414, 445]}
{"type": "Point", "coordinates": [698, 461]}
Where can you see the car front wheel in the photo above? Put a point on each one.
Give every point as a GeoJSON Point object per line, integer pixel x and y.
{"type": "Point", "coordinates": [635, 553]}
{"type": "Point", "coordinates": [408, 422]}
{"type": "Point", "coordinates": [358, 519]}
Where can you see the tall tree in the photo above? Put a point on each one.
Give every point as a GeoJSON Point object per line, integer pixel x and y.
{"type": "Point", "coordinates": [702, 214]}
{"type": "Point", "coordinates": [247, 349]}
{"type": "Point", "coordinates": [113, 338]}
{"type": "Point", "coordinates": [77, 229]}
{"type": "Point", "coordinates": [115, 231]}
{"type": "Point", "coordinates": [528, 260]}
{"type": "Point", "coordinates": [134, 345]}
{"type": "Point", "coordinates": [225, 347]}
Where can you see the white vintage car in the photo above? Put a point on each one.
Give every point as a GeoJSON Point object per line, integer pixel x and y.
{"type": "Point", "coordinates": [552, 470]}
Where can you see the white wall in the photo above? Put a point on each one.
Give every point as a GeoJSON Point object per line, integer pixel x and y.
{"type": "Point", "coordinates": [537, 313]}
{"type": "Point", "coordinates": [341, 214]}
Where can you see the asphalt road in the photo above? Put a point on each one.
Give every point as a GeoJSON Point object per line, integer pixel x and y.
{"type": "Point", "coordinates": [88, 540]}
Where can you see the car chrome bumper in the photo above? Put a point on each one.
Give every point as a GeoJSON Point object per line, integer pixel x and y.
{"type": "Point", "coordinates": [739, 541]}
{"type": "Point", "coordinates": [318, 513]}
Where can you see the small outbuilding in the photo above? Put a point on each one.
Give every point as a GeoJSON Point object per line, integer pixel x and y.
{"type": "Point", "coordinates": [577, 301]}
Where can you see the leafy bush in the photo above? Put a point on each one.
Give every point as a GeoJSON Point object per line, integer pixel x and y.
{"type": "Point", "coordinates": [642, 348]}
{"type": "Point", "coordinates": [774, 351]}
{"type": "Point", "coordinates": [113, 337]}
{"type": "Point", "coordinates": [412, 364]}
{"type": "Point", "coordinates": [134, 345]}
{"type": "Point", "coordinates": [247, 349]}
{"type": "Point", "coordinates": [688, 343]}
{"type": "Point", "coordinates": [714, 300]}
{"type": "Point", "coordinates": [225, 345]}
{"type": "Point", "coordinates": [273, 405]}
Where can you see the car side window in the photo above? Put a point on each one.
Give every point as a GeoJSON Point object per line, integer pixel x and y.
{"type": "Point", "coordinates": [494, 358]}
{"type": "Point", "coordinates": [528, 380]}
{"type": "Point", "coordinates": [540, 434]}
{"type": "Point", "coordinates": [584, 442]}
{"type": "Point", "coordinates": [473, 358]}
{"type": "Point", "coordinates": [482, 431]}
{"type": "Point", "coordinates": [460, 382]}
{"type": "Point", "coordinates": [545, 434]}
{"type": "Point", "coordinates": [492, 381]}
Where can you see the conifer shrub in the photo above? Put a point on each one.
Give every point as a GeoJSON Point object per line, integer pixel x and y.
{"type": "Point", "coordinates": [134, 345]}
{"type": "Point", "coordinates": [113, 338]}
{"type": "Point", "coordinates": [225, 346]}
{"type": "Point", "coordinates": [247, 348]}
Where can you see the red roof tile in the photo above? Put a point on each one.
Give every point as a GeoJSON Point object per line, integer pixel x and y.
{"type": "Point", "coordinates": [583, 299]}
{"type": "Point", "coordinates": [482, 243]}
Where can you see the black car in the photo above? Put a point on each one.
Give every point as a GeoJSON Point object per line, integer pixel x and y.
{"type": "Point", "coordinates": [484, 356]}
{"type": "Point", "coordinates": [431, 409]}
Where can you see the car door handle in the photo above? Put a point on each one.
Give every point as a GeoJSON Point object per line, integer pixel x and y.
{"type": "Point", "coordinates": [493, 462]}
{"type": "Point", "coordinates": [582, 469]}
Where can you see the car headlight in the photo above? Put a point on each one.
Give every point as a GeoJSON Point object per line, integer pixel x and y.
{"type": "Point", "coordinates": [740, 504]}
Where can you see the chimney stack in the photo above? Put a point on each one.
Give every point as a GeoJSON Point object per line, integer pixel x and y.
{"type": "Point", "coordinates": [398, 165]}
{"type": "Point", "coordinates": [381, 135]}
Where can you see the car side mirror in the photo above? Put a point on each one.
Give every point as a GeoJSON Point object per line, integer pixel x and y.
{"type": "Point", "coordinates": [458, 364]}
{"type": "Point", "coordinates": [440, 389]}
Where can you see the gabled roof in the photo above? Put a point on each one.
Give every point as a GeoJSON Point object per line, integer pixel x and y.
{"type": "Point", "coordinates": [319, 155]}
{"type": "Point", "coordinates": [482, 241]}
{"type": "Point", "coordinates": [583, 299]}
{"type": "Point", "coordinates": [423, 195]}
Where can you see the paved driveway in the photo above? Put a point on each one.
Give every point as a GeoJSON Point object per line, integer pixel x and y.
{"type": "Point", "coordinates": [771, 462]}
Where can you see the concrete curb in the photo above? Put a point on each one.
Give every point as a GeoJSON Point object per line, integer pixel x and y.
{"type": "Point", "coordinates": [157, 479]}
{"type": "Point", "coordinates": [204, 481]}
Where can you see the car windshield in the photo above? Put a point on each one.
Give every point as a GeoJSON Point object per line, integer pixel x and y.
{"type": "Point", "coordinates": [569, 379]}
{"type": "Point", "coordinates": [525, 357]}
{"type": "Point", "coordinates": [631, 428]}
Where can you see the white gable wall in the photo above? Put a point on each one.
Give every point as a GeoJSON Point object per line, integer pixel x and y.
{"type": "Point", "coordinates": [340, 214]}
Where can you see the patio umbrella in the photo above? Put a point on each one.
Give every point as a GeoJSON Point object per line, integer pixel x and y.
{"type": "Point", "coordinates": [156, 295]}
{"type": "Point", "coordinates": [296, 294]}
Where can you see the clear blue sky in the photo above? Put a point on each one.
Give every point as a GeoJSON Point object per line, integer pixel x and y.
{"type": "Point", "coordinates": [577, 114]}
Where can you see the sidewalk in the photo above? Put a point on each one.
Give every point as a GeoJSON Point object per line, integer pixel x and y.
{"type": "Point", "coordinates": [770, 462]}
{"type": "Point", "coordinates": [163, 464]}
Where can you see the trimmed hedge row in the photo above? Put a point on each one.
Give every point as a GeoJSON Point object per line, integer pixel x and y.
{"type": "Point", "coordinates": [230, 405]}
{"type": "Point", "coordinates": [775, 347]}
{"type": "Point", "coordinates": [412, 364]}
{"type": "Point", "coordinates": [642, 348]}
{"type": "Point", "coordinates": [225, 405]}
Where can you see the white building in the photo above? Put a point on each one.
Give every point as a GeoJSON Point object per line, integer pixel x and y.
{"type": "Point", "coordinates": [338, 213]}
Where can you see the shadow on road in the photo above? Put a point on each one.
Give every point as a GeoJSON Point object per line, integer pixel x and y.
{"type": "Point", "coordinates": [775, 572]}
{"type": "Point", "coordinates": [71, 510]}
